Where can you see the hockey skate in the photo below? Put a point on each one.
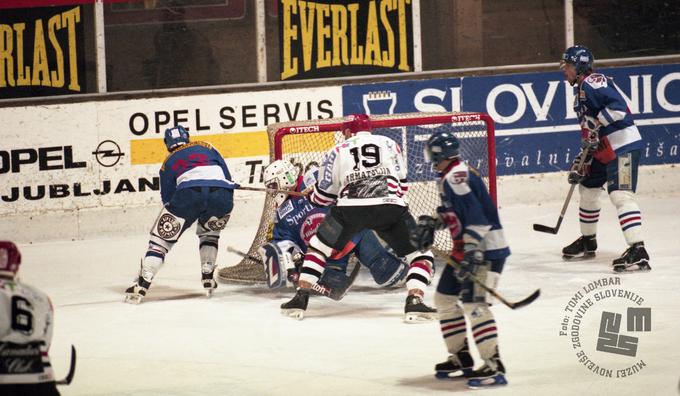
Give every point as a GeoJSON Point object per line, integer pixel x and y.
{"type": "Point", "coordinates": [581, 249]}
{"type": "Point", "coordinates": [135, 293]}
{"type": "Point", "coordinates": [487, 376]}
{"type": "Point", "coordinates": [296, 307]}
{"type": "Point", "coordinates": [458, 366]}
{"type": "Point", "coordinates": [415, 310]}
{"type": "Point", "coordinates": [209, 284]}
{"type": "Point", "coordinates": [635, 258]}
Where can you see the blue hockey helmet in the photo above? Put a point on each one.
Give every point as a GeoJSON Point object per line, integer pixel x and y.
{"type": "Point", "coordinates": [441, 146]}
{"type": "Point", "coordinates": [580, 57]}
{"type": "Point", "coordinates": [175, 136]}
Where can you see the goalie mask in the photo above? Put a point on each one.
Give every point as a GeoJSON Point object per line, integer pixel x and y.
{"type": "Point", "coordinates": [10, 259]}
{"type": "Point", "coordinates": [280, 175]}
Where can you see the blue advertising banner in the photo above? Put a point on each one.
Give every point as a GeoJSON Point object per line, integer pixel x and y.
{"type": "Point", "coordinates": [536, 127]}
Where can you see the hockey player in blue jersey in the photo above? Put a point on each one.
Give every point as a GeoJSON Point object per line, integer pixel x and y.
{"type": "Point", "coordinates": [297, 221]}
{"type": "Point", "coordinates": [472, 219]}
{"type": "Point", "coordinates": [613, 143]}
{"type": "Point", "coordinates": [195, 186]}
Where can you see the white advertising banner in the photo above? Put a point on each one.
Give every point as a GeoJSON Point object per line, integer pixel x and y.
{"type": "Point", "coordinates": [87, 155]}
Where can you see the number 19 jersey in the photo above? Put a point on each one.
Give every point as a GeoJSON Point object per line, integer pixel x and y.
{"type": "Point", "coordinates": [364, 170]}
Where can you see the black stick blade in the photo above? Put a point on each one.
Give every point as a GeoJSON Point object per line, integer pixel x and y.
{"type": "Point", "coordinates": [544, 228]}
{"type": "Point", "coordinates": [531, 298]}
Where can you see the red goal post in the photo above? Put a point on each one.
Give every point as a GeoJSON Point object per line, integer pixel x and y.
{"type": "Point", "coordinates": [304, 143]}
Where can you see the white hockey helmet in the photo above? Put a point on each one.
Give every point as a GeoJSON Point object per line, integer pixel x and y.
{"type": "Point", "coordinates": [281, 175]}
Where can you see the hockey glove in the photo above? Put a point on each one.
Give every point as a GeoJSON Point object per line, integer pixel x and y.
{"type": "Point", "coordinates": [473, 257]}
{"type": "Point", "coordinates": [576, 174]}
{"type": "Point", "coordinates": [422, 236]}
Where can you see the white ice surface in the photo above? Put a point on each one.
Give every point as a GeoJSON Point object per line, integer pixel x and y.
{"type": "Point", "coordinates": [179, 343]}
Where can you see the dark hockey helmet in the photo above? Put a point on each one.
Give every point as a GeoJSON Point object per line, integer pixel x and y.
{"type": "Point", "coordinates": [10, 259]}
{"type": "Point", "coordinates": [441, 146]}
{"type": "Point", "coordinates": [580, 57]}
{"type": "Point", "coordinates": [175, 136]}
{"type": "Point", "coordinates": [356, 123]}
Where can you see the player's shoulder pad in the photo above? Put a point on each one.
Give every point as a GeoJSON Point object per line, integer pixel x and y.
{"type": "Point", "coordinates": [458, 179]}
{"type": "Point", "coordinates": [595, 81]}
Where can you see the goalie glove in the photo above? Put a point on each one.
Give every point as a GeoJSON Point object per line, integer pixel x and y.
{"type": "Point", "coordinates": [422, 236]}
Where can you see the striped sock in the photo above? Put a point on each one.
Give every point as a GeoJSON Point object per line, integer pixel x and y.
{"type": "Point", "coordinates": [419, 273]}
{"type": "Point", "coordinates": [631, 222]}
{"type": "Point", "coordinates": [588, 219]}
{"type": "Point", "coordinates": [312, 267]}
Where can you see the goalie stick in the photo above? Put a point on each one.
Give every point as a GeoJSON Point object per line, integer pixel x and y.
{"type": "Point", "coordinates": [71, 371]}
{"type": "Point", "coordinates": [512, 305]}
{"type": "Point", "coordinates": [553, 230]}
{"type": "Point", "coordinates": [334, 294]}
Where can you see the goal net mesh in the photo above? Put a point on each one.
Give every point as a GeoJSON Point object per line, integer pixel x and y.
{"type": "Point", "coordinates": [305, 143]}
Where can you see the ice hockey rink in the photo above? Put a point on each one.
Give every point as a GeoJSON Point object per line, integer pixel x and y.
{"type": "Point", "coordinates": [177, 342]}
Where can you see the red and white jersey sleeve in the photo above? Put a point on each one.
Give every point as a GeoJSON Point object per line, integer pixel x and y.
{"type": "Point", "coordinates": [363, 170]}
{"type": "Point", "coordinates": [26, 323]}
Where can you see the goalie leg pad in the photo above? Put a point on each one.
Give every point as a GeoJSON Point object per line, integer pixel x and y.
{"type": "Point", "coordinates": [277, 258]}
{"type": "Point", "coordinates": [589, 209]}
{"type": "Point", "coordinates": [386, 268]}
{"type": "Point", "coordinates": [334, 278]}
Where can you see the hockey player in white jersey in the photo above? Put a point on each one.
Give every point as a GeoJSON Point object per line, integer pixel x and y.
{"type": "Point", "coordinates": [365, 177]}
{"type": "Point", "coordinates": [26, 321]}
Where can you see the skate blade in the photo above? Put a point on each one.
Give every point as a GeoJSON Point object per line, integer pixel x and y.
{"type": "Point", "coordinates": [133, 299]}
{"type": "Point", "coordinates": [623, 269]}
{"type": "Point", "coordinates": [581, 257]}
{"type": "Point", "coordinates": [419, 317]}
{"type": "Point", "coordinates": [209, 292]}
{"type": "Point", "coordinates": [453, 375]}
{"type": "Point", "coordinates": [485, 383]}
{"type": "Point", "coordinates": [295, 313]}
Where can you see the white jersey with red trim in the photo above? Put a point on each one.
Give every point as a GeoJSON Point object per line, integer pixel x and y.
{"type": "Point", "coordinates": [364, 170]}
{"type": "Point", "coordinates": [26, 319]}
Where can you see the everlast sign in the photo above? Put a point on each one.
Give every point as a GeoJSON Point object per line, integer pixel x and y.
{"type": "Point", "coordinates": [334, 38]}
{"type": "Point", "coordinates": [41, 52]}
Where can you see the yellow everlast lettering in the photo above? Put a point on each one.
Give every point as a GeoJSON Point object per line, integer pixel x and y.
{"type": "Point", "coordinates": [372, 55]}
{"type": "Point", "coordinates": [323, 31]}
{"type": "Point", "coordinates": [69, 19]}
{"type": "Point", "coordinates": [388, 57]}
{"type": "Point", "coordinates": [290, 63]}
{"type": "Point", "coordinates": [403, 40]}
{"type": "Point", "coordinates": [6, 60]}
{"type": "Point", "coordinates": [356, 55]}
{"type": "Point", "coordinates": [57, 76]}
{"type": "Point", "coordinates": [41, 69]}
{"type": "Point", "coordinates": [307, 25]}
{"type": "Point", "coordinates": [23, 72]}
{"type": "Point", "coordinates": [339, 24]}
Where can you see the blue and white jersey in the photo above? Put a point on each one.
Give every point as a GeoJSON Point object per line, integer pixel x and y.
{"type": "Point", "coordinates": [597, 97]}
{"type": "Point", "coordinates": [469, 212]}
{"type": "Point", "coordinates": [196, 164]}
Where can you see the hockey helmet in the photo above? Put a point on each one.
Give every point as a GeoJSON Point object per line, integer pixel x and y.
{"type": "Point", "coordinates": [176, 136]}
{"type": "Point", "coordinates": [356, 123]}
{"type": "Point", "coordinates": [441, 146]}
{"type": "Point", "coordinates": [280, 175]}
{"type": "Point", "coordinates": [580, 57]}
{"type": "Point", "coordinates": [10, 259]}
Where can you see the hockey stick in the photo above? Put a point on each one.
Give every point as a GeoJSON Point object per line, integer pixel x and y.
{"type": "Point", "coordinates": [276, 191]}
{"type": "Point", "coordinates": [334, 294]}
{"type": "Point", "coordinates": [512, 305]}
{"type": "Point", "coordinates": [71, 370]}
{"type": "Point", "coordinates": [553, 230]}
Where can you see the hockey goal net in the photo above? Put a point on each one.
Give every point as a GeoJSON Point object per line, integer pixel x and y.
{"type": "Point", "coordinates": [305, 143]}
